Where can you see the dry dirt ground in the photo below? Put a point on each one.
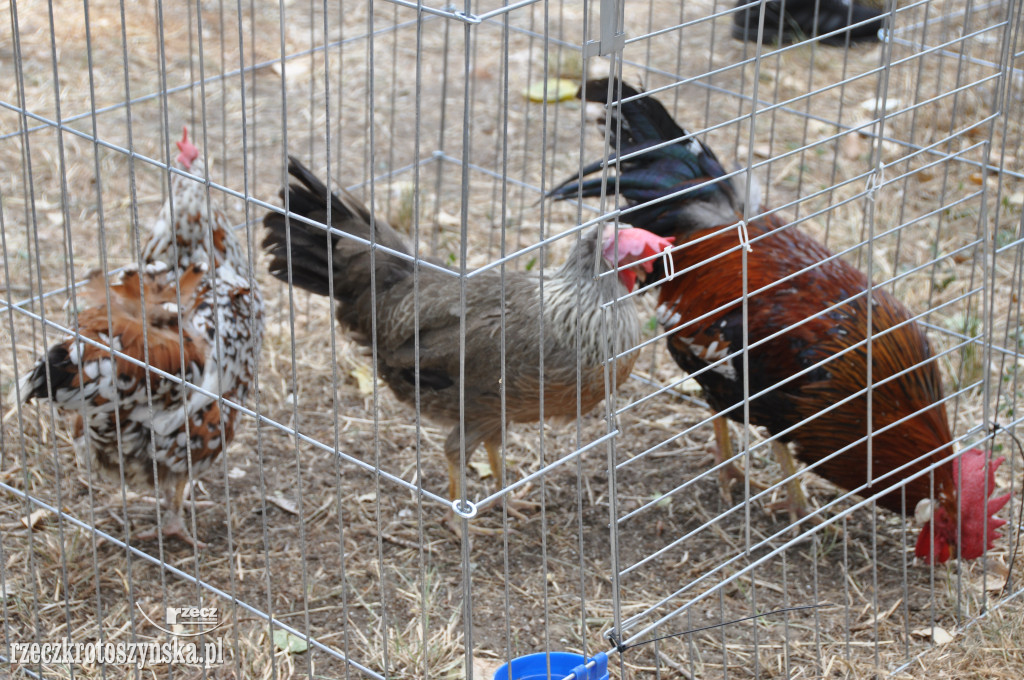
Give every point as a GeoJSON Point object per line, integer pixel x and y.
{"type": "Point", "coordinates": [367, 566]}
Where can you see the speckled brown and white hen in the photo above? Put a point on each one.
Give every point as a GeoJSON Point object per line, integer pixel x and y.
{"type": "Point", "coordinates": [192, 310]}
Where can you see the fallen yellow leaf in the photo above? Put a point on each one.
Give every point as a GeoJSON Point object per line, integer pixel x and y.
{"type": "Point", "coordinates": [287, 642]}
{"type": "Point", "coordinates": [482, 467]}
{"type": "Point", "coordinates": [364, 378]}
{"type": "Point", "coordinates": [552, 90]}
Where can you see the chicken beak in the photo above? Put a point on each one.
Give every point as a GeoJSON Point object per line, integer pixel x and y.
{"type": "Point", "coordinates": [924, 511]}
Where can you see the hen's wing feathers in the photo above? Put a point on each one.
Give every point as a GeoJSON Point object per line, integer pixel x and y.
{"type": "Point", "coordinates": [149, 318]}
{"type": "Point", "coordinates": [80, 371]}
{"type": "Point", "coordinates": [440, 329]}
{"type": "Point", "coordinates": [440, 323]}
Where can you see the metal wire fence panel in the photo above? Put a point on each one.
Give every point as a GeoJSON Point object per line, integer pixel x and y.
{"type": "Point", "coordinates": [492, 443]}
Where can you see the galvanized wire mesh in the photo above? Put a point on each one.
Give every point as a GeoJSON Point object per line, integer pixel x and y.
{"type": "Point", "coordinates": [329, 553]}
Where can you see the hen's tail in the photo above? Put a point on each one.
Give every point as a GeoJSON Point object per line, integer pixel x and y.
{"type": "Point", "coordinates": [306, 254]}
{"type": "Point", "coordinates": [659, 159]}
{"type": "Point", "coordinates": [34, 385]}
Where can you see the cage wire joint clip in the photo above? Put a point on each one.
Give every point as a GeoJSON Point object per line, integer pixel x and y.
{"type": "Point", "coordinates": [668, 262]}
{"type": "Point", "coordinates": [613, 37]}
{"type": "Point", "coordinates": [876, 180]}
{"type": "Point", "coordinates": [465, 508]}
{"type": "Point", "coordinates": [744, 235]}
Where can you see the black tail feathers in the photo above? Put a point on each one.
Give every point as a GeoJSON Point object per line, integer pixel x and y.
{"type": "Point", "coordinates": [673, 187]}
{"type": "Point", "coordinates": [315, 251]}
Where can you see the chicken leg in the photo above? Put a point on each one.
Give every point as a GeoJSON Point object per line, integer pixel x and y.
{"type": "Point", "coordinates": [515, 503]}
{"type": "Point", "coordinates": [728, 474]}
{"type": "Point", "coordinates": [796, 500]}
{"type": "Point", "coordinates": [454, 473]}
{"type": "Point", "coordinates": [173, 526]}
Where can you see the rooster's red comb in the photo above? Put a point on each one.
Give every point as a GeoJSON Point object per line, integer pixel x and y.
{"type": "Point", "coordinates": [189, 152]}
{"type": "Point", "coordinates": [975, 475]}
{"type": "Point", "coordinates": [975, 478]}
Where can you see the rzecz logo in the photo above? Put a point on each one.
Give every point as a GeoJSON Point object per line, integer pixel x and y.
{"type": "Point", "coordinates": [187, 621]}
{"type": "Point", "coordinates": [191, 616]}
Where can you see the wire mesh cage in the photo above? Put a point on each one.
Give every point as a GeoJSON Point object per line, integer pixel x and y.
{"type": "Point", "coordinates": [351, 529]}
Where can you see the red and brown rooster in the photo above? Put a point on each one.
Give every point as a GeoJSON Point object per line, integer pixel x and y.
{"type": "Point", "coordinates": [581, 321]}
{"type": "Point", "coordinates": [191, 310]}
{"type": "Point", "coordinates": [807, 321]}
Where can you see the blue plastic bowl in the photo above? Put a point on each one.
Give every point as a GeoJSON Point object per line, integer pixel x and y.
{"type": "Point", "coordinates": [563, 664]}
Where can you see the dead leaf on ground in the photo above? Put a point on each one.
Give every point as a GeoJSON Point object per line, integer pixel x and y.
{"type": "Point", "coordinates": [284, 503]}
{"type": "Point", "coordinates": [485, 668]}
{"type": "Point", "coordinates": [938, 635]}
{"type": "Point", "coordinates": [552, 90]}
{"type": "Point", "coordinates": [482, 467]}
{"type": "Point", "coordinates": [364, 378]}
{"type": "Point", "coordinates": [30, 521]}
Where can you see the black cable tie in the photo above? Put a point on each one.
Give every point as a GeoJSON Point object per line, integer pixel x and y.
{"type": "Point", "coordinates": [616, 641]}
{"type": "Point", "coordinates": [996, 427]}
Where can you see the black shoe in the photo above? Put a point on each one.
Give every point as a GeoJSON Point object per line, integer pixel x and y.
{"type": "Point", "coordinates": [798, 23]}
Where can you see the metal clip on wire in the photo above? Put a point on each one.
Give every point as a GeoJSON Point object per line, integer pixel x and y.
{"type": "Point", "coordinates": [465, 508]}
{"type": "Point", "coordinates": [614, 638]}
{"type": "Point", "coordinates": [876, 180]}
{"type": "Point", "coordinates": [668, 263]}
{"type": "Point", "coordinates": [741, 227]}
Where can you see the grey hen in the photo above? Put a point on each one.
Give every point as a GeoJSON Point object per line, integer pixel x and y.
{"type": "Point", "coordinates": [573, 307]}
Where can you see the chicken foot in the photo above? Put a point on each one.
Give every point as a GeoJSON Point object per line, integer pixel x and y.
{"type": "Point", "coordinates": [172, 525]}
{"type": "Point", "coordinates": [516, 502]}
{"type": "Point", "coordinates": [796, 503]}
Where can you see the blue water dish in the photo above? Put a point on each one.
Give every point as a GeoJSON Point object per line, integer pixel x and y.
{"type": "Point", "coordinates": [564, 666]}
